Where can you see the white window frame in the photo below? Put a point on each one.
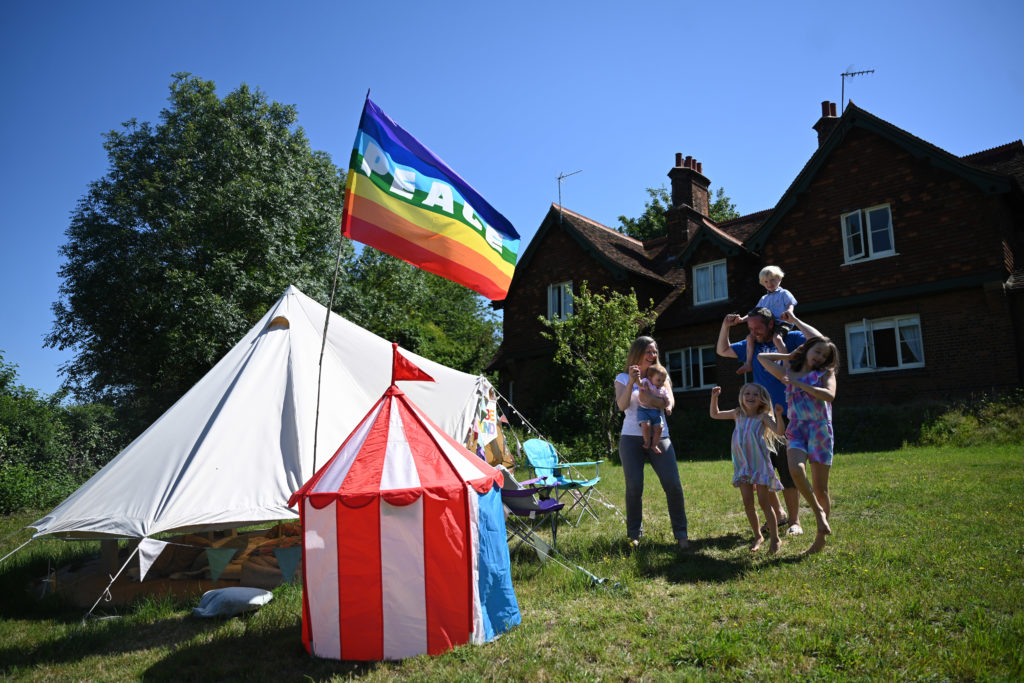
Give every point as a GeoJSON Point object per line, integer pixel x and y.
{"type": "Point", "coordinates": [865, 233]}
{"type": "Point", "coordinates": [860, 343]}
{"type": "Point", "coordinates": [680, 364]}
{"type": "Point", "coordinates": [560, 300]}
{"type": "Point", "coordinates": [713, 295]}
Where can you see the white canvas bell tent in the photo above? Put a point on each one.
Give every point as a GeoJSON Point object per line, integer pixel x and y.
{"type": "Point", "coordinates": [232, 450]}
{"type": "Point", "coordinates": [404, 549]}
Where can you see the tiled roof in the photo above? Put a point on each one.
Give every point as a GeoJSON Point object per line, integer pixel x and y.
{"type": "Point", "coordinates": [622, 250]}
{"type": "Point", "coordinates": [653, 258]}
{"type": "Point", "coordinates": [743, 227]}
{"type": "Point", "coordinates": [1007, 159]}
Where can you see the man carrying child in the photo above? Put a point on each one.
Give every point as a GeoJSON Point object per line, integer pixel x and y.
{"type": "Point", "coordinates": [762, 326]}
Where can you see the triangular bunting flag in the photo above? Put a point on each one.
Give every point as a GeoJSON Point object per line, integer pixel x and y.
{"type": "Point", "coordinates": [405, 369]}
{"type": "Point", "coordinates": [149, 550]}
{"type": "Point", "coordinates": [218, 559]}
{"type": "Point", "coordinates": [543, 549]}
{"type": "Point", "coordinates": [288, 560]}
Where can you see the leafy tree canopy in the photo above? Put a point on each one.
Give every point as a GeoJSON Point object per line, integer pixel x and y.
{"type": "Point", "coordinates": [46, 448]}
{"type": "Point", "coordinates": [591, 350]}
{"type": "Point", "coordinates": [427, 314]}
{"type": "Point", "coordinates": [200, 223]}
{"type": "Point", "coordinates": [651, 223]}
{"type": "Point", "coordinates": [722, 209]}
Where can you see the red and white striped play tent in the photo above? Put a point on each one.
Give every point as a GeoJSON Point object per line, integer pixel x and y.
{"type": "Point", "coordinates": [404, 547]}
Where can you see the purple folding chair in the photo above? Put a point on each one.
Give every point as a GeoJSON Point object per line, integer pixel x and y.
{"type": "Point", "coordinates": [529, 507]}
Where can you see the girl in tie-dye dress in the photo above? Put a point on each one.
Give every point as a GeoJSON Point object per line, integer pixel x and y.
{"type": "Point", "coordinates": [809, 374]}
{"type": "Point", "coordinates": [757, 426]}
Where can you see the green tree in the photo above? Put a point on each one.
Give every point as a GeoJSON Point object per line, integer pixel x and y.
{"type": "Point", "coordinates": [200, 223]}
{"type": "Point", "coordinates": [722, 209]}
{"type": "Point", "coordinates": [427, 314]}
{"type": "Point", "coordinates": [651, 223]}
{"type": "Point", "coordinates": [48, 449]}
{"type": "Point", "coordinates": [591, 347]}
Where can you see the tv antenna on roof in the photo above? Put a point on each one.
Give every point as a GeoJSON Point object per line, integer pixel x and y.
{"type": "Point", "coordinates": [561, 179]}
{"type": "Point", "coordinates": [851, 74]}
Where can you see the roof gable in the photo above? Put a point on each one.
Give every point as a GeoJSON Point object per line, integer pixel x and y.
{"type": "Point", "coordinates": [709, 232]}
{"type": "Point", "coordinates": [855, 117]}
{"type": "Point", "coordinates": [621, 254]}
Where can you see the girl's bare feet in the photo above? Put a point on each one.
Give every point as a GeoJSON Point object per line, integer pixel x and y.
{"type": "Point", "coordinates": [817, 546]}
{"type": "Point", "coordinates": [774, 546]}
{"type": "Point", "coordinates": [822, 520]}
{"type": "Point", "coordinates": [757, 544]}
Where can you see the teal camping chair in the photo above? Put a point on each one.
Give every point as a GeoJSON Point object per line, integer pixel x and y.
{"type": "Point", "coordinates": [543, 460]}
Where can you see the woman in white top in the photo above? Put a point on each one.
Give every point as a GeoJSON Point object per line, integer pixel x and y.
{"type": "Point", "coordinates": [642, 354]}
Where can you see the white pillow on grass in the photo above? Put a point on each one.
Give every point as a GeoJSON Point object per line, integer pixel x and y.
{"type": "Point", "coordinates": [227, 602]}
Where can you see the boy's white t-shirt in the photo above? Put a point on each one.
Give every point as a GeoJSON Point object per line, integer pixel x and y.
{"type": "Point", "coordinates": [630, 426]}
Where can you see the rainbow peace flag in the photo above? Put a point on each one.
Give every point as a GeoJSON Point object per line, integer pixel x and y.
{"type": "Point", "coordinates": [402, 199]}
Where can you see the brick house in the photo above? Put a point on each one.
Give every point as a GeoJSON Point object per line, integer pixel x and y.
{"type": "Point", "coordinates": [898, 250]}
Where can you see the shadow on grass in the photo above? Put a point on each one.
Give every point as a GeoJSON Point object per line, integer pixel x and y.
{"type": "Point", "coordinates": [259, 653]}
{"type": "Point", "coordinates": [699, 563]}
{"type": "Point", "coordinates": [105, 638]}
{"type": "Point", "coordinates": [271, 654]}
{"type": "Point", "coordinates": [23, 584]}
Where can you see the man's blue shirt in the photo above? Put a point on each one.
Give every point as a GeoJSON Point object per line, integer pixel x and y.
{"type": "Point", "coordinates": [775, 388]}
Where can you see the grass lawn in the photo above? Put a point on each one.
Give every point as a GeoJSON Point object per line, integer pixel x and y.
{"type": "Point", "coordinates": [922, 579]}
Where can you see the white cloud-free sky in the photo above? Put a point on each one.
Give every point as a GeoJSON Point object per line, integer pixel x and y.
{"type": "Point", "coordinates": [510, 95]}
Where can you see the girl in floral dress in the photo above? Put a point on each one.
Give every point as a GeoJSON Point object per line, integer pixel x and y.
{"type": "Point", "coordinates": [756, 426]}
{"type": "Point", "coordinates": [809, 374]}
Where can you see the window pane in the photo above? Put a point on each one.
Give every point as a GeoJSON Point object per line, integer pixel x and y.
{"type": "Point", "coordinates": [674, 364]}
{"type": "Point", "coordinates": [910, 343]}
{"type": "Point", "coordinates": [854, 236]}
{"type": "Point", "coordinates": [702, 277]}
{"type": "Point", "coordinates": [881, 230]}
{"type": "Point", "coordinates": [708, 360]}
{"type": "Point", "coordinates": [858, 351]}
{"type": "Point", "coordinates": [692, 368]}
{"type": "Point", "coordinates": [566, 299]}
{"type": "Point", "coordinates": [885, 348]}
{"type": "Point", "coordinates": [721, 287]}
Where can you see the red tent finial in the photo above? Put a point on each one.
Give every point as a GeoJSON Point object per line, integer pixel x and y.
{"type": "Point", "coordinates": [404, 369]}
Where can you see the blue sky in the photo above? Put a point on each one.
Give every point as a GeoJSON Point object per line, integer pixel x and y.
{"type": "Point", "coordinates": [510, 95]}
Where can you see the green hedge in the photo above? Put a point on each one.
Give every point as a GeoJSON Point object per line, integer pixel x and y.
{"type": "Point", "coordinates": [983, 420]}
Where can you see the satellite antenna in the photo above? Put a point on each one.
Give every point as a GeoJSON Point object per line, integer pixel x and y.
{"type": "Point", "coordinates": [851, 74]}
{"type": "Point", "coordinates": [561, 179]}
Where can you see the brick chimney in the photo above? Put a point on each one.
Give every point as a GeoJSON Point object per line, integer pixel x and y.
{"type": "Point", "coordinates": [828, 121]}
{"type": "Point", "coordinates": [689, 200]}
{"type": "Point", "coordinates": [689, 186]}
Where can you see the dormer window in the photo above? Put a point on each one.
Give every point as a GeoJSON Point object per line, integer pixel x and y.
{"type": "Point", "coordinates": [867, 234]}
{"type": "Point", "coordinates": [710, 283]}
{"type": "Point", "coordinates": [560, 300]}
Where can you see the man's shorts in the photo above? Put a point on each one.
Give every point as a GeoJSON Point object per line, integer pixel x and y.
{"type": "Point", "coordinates": [781, 464]}
{"type": "Point", "coordinates": [813, 437]}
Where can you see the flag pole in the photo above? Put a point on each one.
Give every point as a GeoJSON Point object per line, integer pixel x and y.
{"type": "Point", "coordinates": [323, 344]}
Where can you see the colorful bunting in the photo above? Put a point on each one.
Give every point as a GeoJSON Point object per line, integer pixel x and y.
{"type": "Point", "coordinates": [149, 550]}
{"type": "Point", "coordinates": [219, 559]}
